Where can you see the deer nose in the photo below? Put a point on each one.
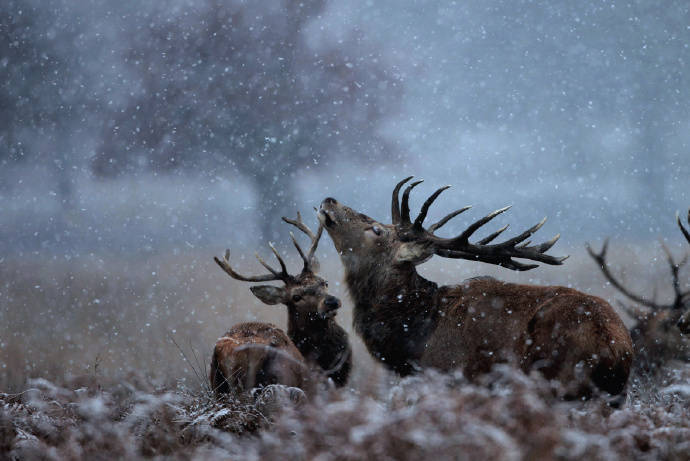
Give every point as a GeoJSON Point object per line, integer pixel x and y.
{"type": "Point", "coordinates": [332, 303]}
{"type": "Point", "coordinates": [330, 201]}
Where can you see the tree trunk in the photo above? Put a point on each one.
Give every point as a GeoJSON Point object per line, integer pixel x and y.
{"type": "Point", "coordinates": [64, 175]}
{"type": "Point", "coordinates": [275, 198]}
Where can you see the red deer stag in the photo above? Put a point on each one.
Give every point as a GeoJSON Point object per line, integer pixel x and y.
{"type": "Point", "coordinates": [408, 322]}
{"type": "Point", "coordinates": [312, 332]}
{"type": "Point", "coordinates": [655, 335]}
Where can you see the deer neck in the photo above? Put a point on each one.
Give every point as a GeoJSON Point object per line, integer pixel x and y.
{"type": "Point", "coordinates": [394, 313]}
{"type": "Point", "coordinates": [304, 328]}
{"type": "Point", "coordinates": [375, 283]}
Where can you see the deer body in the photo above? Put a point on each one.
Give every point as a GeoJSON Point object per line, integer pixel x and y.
{"type": "Point", "coordinates": [408, 322]}
{"type": "Point", "coordinates": [323, 343]}
{"type": "Point", "coordinates": [257, 354]}
{"type": "Point", "coordinates": [483, 321]}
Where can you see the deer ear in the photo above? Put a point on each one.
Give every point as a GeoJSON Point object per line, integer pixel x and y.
{"type": "Point", "coordinates": [269, 294]}
{"type": "Point", "coordinates": [412, 252]}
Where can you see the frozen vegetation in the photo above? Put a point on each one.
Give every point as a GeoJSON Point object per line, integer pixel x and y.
{"type": "Point", "coordinates": [506, 415]}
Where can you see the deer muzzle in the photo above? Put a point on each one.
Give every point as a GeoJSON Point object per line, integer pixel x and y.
{"type": "Point", "coordinates": [326, 212]}
{"type": "Point", "coordinates": [329, 307]}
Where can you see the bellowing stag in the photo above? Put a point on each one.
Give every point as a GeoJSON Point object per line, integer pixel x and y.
{"type": "Point", "coordinates": [312, 337]}
{"type": "Point", "coordinates": [408, 322]}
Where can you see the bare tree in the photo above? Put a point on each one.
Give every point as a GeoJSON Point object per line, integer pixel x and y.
{"type": "Point", "coordinates": [234, 89]}
{"type": "Point", "coordinates": [42, 90]}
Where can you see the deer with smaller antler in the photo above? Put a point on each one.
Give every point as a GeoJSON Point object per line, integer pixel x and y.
{"type": "Point", "coordinates": [660, 329]}
{"type": "Point", "coordinates": [408, 322]}
{"type": "Point", "coordinates": [313, 338]}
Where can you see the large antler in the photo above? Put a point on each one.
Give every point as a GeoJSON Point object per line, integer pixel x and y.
{"type": "Point", "coordinates": [310, 262]}
{"type": "Point", "coordinates": [600, 258]}
{"type": "Point", "coordinates": [681, 297]}
{"type": "Point", "coordinates": [273, 275]}
{"type": "Point", "coordinates": [460, 247]}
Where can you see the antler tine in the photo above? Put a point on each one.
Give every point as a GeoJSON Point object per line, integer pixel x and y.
{"type": "Point", "coordinates": [685, 231]}
{"type": "Point", "coordinates": [299, 224]}
{"type": "Point", "coordinates": [309, 261]}
{"type": "Point", "coordinates": [299, 249]}
{"type": "Point", "coordinates": [678, 302]}
{"type": "Point", "coordinates": [600, 258]}
{"type": "Point", "coordinates": [265, 264]}
{"type": "Point", "coordinates": [491, 237]}
{"type": "Point", "coordinates": [225, 265]}
{"type": "Point", "coordinates": [447, 218]}
{"type": "Point", "coordinates": [395, 205]}
{"type": "Point", "coordinates": [314, 244]}
{"type": "Point", "coordinates": [546, 246]}
{"type": "Point", "coordinates": [464, 237]}
{"type": "Point", "coordinates": [425, 208]}
{"type": "Point", "coordinates": [283, 268]}
{"type": "Point", "coordinates": [405, 208]}
{"type": "Point", "coordinates": [524, 235]}
{"type": "Point", "coordinates": [283, 274]}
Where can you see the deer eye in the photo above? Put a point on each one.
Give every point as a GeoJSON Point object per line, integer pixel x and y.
{"type": "Point", "coordinates": [296, 298]}
{"type": "Point", "coordinates": [376, 229]}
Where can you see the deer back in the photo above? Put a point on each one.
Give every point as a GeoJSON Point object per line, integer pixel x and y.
{"type": "Point", "coordinates": [257, 354]}
{"type": "Point", "coordinates": [547, 328]}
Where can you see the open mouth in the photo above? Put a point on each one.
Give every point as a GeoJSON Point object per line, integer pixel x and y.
{"type": "Point", "coordinates": [328, 314]}
{"type": "Point", "coordinates": [327, 217]}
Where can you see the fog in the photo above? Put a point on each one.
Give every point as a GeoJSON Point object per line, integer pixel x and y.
{"type": "Point", "coordinates": [130, 128]}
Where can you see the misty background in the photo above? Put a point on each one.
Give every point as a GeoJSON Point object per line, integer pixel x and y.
{"type": "Point", "coordinates": [139, 139]}
{"type": "Point", "coordinates": [137, 128]}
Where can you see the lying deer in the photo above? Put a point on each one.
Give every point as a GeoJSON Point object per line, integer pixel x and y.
{"type": "Point", "coordinates": [313, 340]}
{"type": "Point", "coordinates": [408, 322]}
{"type": "Point", "coordinates": [657, 334]}
{"type": "Point", "coordinates": [256, 354]}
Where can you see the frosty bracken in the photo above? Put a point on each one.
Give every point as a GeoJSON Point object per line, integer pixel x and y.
{"type": "Point", "coordinates": [408, 322]}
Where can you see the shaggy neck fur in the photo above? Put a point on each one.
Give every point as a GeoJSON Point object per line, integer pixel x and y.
{"type": "Point", "coordinates": [394, 310]}
{"type": "Point", "coordinates": [322, 342]}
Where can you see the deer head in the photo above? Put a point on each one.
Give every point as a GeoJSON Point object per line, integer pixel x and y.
{"type": "Point", "coordinates": [404, 242]}
{"type": "Point", "coordinates": [305, 294]}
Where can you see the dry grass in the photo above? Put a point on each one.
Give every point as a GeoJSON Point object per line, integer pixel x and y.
{"type": "Point", "coordinates": [89, 344]}
{"type": "Point", "coordinates": [108, 317]}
